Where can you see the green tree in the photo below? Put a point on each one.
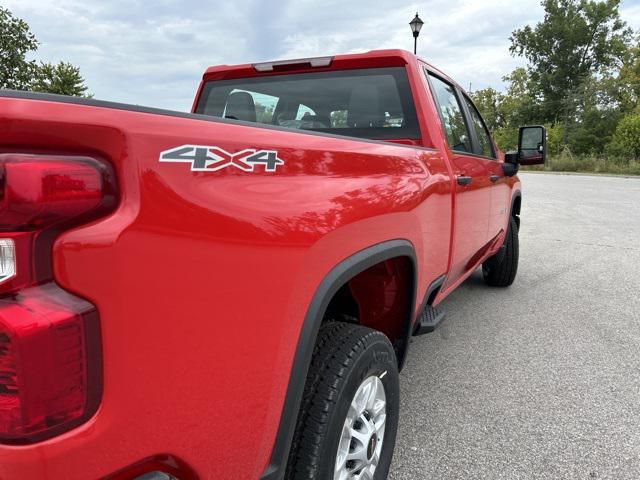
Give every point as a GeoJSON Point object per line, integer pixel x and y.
{"type": "Point", "coordinates": [576, 39]}
{"type": "Point", "coordinates": [595, 120]}
{"type": "Point", "coordinates": [505, 112]}
{"type": "Point", "coordinates": [63, 79]}
{"type": "Point", "coordinates": [18, 73]}
{"type": "Point", "coordinates": [521, 101]}
{"type": "Point", "coordinates": [621, 89]}
{"type": "Point", "coordinates": [339, 119]}
{"type": "Point", "coordinates": [582, 82]}
{"type": "Point", "coordinates": [626, 140]}
{"type": "Point", "coordinates": [16, 40]}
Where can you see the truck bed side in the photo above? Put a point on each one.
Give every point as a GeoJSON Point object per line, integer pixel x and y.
{"type": "Point", "coordinates": [202, 279]}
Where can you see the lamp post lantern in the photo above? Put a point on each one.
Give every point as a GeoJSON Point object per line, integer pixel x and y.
{"type": "Point", "coordinates": [416, 25]}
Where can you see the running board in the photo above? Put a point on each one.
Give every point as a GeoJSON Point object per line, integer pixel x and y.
{"type": "Point", "coordinates": [429, 320]}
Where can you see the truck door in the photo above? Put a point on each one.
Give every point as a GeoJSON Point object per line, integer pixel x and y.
{"type": "Point", "coordinates": [473, 189]}
{"type": "Point", "coordinates": [500, 189]}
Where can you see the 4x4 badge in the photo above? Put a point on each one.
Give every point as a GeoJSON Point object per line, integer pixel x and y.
{"type": "Point", "coordinates": [211, 158]}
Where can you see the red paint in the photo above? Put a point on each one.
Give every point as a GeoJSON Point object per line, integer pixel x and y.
{"type": "Point", "coordinates": [202, 279]}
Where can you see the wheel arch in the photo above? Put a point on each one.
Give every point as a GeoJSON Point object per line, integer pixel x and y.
{"type": "Point", "coordinates": [328, 287]}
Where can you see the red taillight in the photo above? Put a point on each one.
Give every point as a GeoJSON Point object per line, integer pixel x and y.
{"type": "Point", "coordinates": [50, 360]}
{"type": "Point", "coordinates": [38, 192]}
{"type": "Point", "coordinates": [49, 363]}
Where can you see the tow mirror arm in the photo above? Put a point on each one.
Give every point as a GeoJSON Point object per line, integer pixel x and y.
{"type": "Point", "coordinates": [511, 164]}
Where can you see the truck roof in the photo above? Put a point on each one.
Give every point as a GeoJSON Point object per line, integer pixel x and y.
{"type": "Point", "coordinates": [370, 59]}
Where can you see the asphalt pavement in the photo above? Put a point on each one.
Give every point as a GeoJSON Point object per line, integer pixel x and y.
{"type": "Point", "coordinates": [540, 380]}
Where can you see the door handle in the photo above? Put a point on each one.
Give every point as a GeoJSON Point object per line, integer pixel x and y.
{"type": "Point", "coordinates": [464, 180]}
{"type": "Point", "coordinates": [494, 178]}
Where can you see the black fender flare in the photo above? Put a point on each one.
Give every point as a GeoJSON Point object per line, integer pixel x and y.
{"type": "Point", "coordinates": [338, 276]}
{"type": "Point", "coordinates": [516, 203]}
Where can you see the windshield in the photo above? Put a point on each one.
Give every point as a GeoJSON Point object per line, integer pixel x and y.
{"type": "Point", "coordinates": [368, 103]}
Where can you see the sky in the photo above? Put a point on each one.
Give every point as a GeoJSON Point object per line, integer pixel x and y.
{"type": "Point", "coordinates": [154, 53]}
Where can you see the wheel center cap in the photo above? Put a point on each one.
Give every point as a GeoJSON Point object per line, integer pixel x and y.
{"type": "Point", "coordinates": [371, 447]}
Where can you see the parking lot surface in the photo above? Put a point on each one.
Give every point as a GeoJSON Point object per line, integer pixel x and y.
{"type": "Point", "coordinates": [540, 380]}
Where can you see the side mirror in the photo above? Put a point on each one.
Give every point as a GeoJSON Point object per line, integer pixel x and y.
{"type": "Point", "coordinates": [532, 145]}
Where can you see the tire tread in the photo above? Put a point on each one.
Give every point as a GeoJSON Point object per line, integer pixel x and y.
{"type": "Point", "coordinates": [337, 349]}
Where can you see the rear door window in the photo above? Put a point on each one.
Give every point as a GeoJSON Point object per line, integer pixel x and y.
{"type": "Point", "coordinates": [450, 110]}
{"type": "Point", "coordinates": [367, 103]}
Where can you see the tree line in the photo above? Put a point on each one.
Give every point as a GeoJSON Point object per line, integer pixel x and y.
{"type": "Point", "coordinates": [19, 73]}
{"type": "Point", "coordinates": [581, 80]}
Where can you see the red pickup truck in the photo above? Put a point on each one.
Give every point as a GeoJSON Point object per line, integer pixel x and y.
{"type": "Point", "coordinates": [230, 293]}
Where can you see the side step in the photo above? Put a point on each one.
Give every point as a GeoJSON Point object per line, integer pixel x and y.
{"type": "Point", "coordinates": [429, 320]}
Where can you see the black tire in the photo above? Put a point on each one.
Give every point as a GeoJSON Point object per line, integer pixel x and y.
{"type": "Point", "coordinates": [344, 356]}
{"type": "Point", "coordinates": [500, 270]}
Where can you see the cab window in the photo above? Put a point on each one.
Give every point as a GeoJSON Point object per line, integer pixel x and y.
{"type": "Point", "coordinates": [264, 105]}
{"type": "Point", "coordinates": [371, 103]}
{"type": "Point", "coordinates": [485, 145]}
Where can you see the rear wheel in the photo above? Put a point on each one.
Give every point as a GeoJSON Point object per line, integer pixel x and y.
{"type": "Point", "coordinates": [347, 423]}
{"type": "Point", "coordinates": [500, 270]}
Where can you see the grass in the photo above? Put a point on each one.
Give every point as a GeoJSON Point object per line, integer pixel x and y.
{"type": "Point", "coordinates": [589, 164]}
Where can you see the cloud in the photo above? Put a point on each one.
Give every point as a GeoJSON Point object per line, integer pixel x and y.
{"type": "Point", "coordinates": [154, 53]}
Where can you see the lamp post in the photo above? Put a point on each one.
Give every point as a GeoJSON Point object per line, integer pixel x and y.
{"type": "Point", "coordinates": [416, 25]}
